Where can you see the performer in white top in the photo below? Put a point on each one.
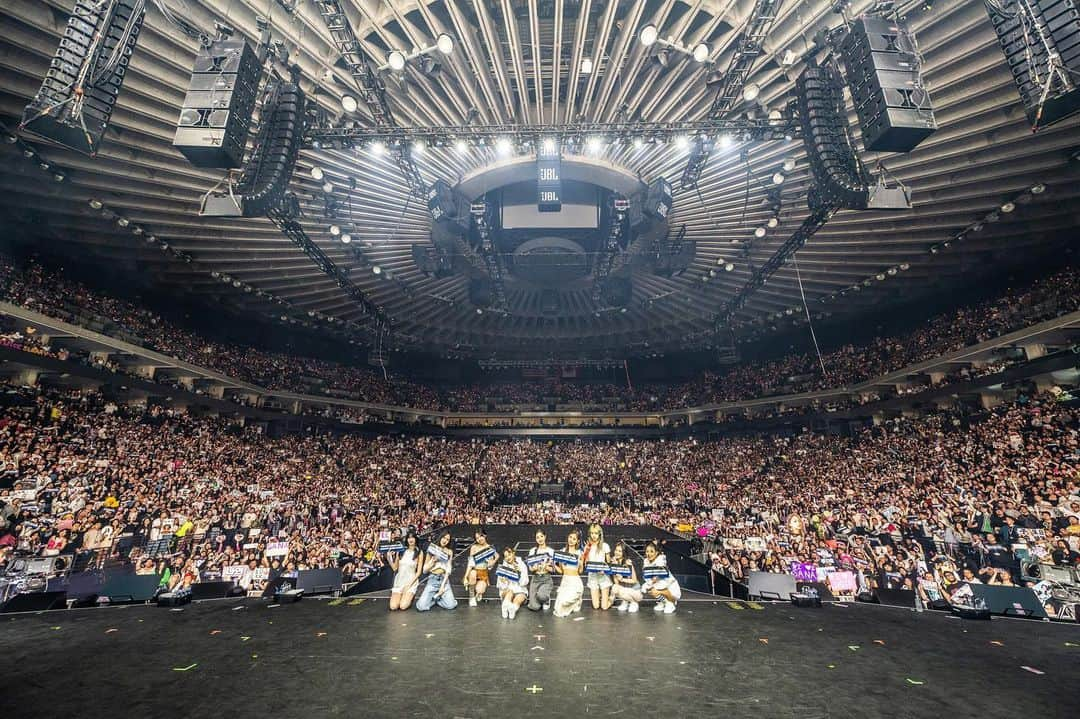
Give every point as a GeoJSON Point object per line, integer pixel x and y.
{"type": "Point", "coordinates": [665, 589]}
{"type": "Point", "coordinates": [437, 589]}
{"type": "Point", "coordinates": [568, 598]}
{"type": "Point", "coordinates": [597, 550]}
{"type": "Point", "coordinates": [406, 573]}
{"type": "Point", "coordinates": [512, 591]}
{"type": "Point", "coordinates": [626, 589]}
{"type": "Point", "coordinates": [541, 586]}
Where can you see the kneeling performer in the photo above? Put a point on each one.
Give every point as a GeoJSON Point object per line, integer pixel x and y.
{"type": "Point", "coordinates": [482, 556]}
{"type": "Point", "coordinates": [568, 564]}
{"type": "Point", "coordinates": [659, 583]}
{"type": "Point", "coordinates": [512, 577]}
{"type": "Point", "coordinates": [626, 588]}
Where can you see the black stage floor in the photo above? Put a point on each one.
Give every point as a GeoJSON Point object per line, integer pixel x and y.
{"type": "Point", "coordinates": [351, 657]}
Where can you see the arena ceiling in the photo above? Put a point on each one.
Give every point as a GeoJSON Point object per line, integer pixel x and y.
{"type": "Point", "coordinates": [516, 62]}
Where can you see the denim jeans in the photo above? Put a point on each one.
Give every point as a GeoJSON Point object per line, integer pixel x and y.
{"type": "Point", "coordinates": [427, 599]}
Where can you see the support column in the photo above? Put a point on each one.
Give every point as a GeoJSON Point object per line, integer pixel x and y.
{"type": "Point", "coordinates": [1034, 350]}
{"type": "Point", "coordinates": [26, 377]}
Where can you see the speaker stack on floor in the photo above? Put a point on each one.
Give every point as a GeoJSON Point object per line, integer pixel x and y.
{"type": "Point", "coordinates": [216, 114]}
{"type": "Point", "coordinates": [883, 75]}
{"type": "Point", "coordinates": [76, 99]}
{"type": "Point", "coordinates": [1032, 33]}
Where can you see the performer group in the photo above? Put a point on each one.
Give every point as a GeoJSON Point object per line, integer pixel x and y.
{"type": "Point", "coordinates": [608, 572]}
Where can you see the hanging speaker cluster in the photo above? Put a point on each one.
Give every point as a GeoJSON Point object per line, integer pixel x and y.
{"type": "Point", "coordinates": [267, 172]}
{"type": "Point", "coordinates": [79, 91]}
{"type": "Point", "coordinates": [835, 167]}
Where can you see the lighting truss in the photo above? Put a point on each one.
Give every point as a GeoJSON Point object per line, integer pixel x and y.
{"type": "Point", "coordinates": [816, 220]}
{"type": "Point", "coordinates": [491, 258]}
{"type": "Point", "coordinates": [765, 129]}
{"type": "Point", "coordinates": [747, 48]}
{"type": "Point", "coordinates": [295, 232]}
{"type": "Point", "coordinates": [373, 90]}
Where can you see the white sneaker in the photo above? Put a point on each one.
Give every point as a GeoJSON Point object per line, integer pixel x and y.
{"type": "Point", "coordinates": [472, 601]}
{"type": "Point", "coordinates": [669, 607]}
{"type": "Point", "coordinates": [632, 608]}
{"type": "Point", "coordinates": [505, 609]}
{"type": "Point", "coordinates": [659, 606]}
{"type": "Point", "coordinates": [621, 607]}
{"type": "Point", "coordinates": [512, 610]}
{"type": "Point", "coordinates": [547, 606]}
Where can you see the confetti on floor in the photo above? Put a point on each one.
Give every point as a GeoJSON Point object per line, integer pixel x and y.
{"type": "Point", "coordinates": [215, 631]}
{"type": "Point", "coordinates": [320, 634]}
{"type": "Point", "coordinates": [996, 643]}
{"type": "Point", "coordinates": [914, 681]}
{"type": "Point", "coordinates": [853, 647]}
{"type": "Point", "coordinates": [879, 641]}
{"type": "Point", "coordinates": [244, 639]}
{"type": "Point", "coordinates": [763, 640]}
{"type": "Point", "coordinates": [335, 602]}
{"type": "Point", "coordinates": [1033, 670]}
{"type": "Point", "coordinates": [110, 631]}
{"type": "Point", "coordinates": [184, 669]}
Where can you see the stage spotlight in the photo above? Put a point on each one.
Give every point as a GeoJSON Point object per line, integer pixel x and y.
{"type": "Point", "coordinates": [378, 148]}
{"type": "Point", "coordinates": [503, 146]}
{"type": "Point", "coordinates": [638, 143]}
{"type": "Point", "coordinates": [729, 267]}
{"type": "Point", "coordinates": [328, 187]}
{"type": "Point", "coordinates": [789, 164]}
{"type": "Point", "coordinates": [1008, 207]}
{"type": "Point", "coordinates": [349, 104]}
{"type": "Point", "coordinates": [396, 60]}
{"type": "Point", "coordinates": [377, 270]}
{"type": "Point", "coordinates": [701, 52]}
{"type": "Point", "coordinates": [549, 145]}
{"type": "Point", "coordinates": [778, 178]}
{"type": "Point", "coordinates": [663, 58]}
{"type": "Point", "coordinates": [648, 35]}
{"type": "Point", "coordinates": [586, 65]}
{"type": "Point", "coordinates": [335, 230]}
{"type": "Point", "coordinates": [759, 232]}
{"type": "Point", "coordinates": [58, 176]}
{"type": "Point", "coordinates": [750, 91]}
{"type": "Point", "coordinates": [123, 222]}
{"type": "Point", "coordinates": [445, 43]}
{"type": "Point", "coordinates": [773, 222]}
{"type": "Point", "coordinates": [682, 142]}
{"type": "Point", "coordinates": [726, 141]}
{"type": "Point", "coordinates": [595, 145]}
{"type": "Point", "coordinates": [1038, 189]}
{"type": "Point", "coordinates": [418, 147]}
{"type": "Point", "coordinates": [346, 238]}
{"type": "Point", "coordinates": [316, 173]}
{"type": "Point", "coordinates": [461, 146]}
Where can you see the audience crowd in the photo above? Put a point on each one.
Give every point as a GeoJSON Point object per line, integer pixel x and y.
{"type": "Point", "coordinates": [923, 503]}
{"type": "Point", "coordinates": [51, 293]}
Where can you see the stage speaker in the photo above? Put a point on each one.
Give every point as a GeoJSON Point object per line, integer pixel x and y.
{"type": "Point", "coordinates": [440, 201]}
{"type": "Point", "coordinates": [1041, 44]}
{"type": "Point", "coordinates": [128, 588]}
{"type": "Point", "coordinates": [896, 597]}
{"type": "Point", "coordinates": [982, 613]}
{"type": "Point", "coordinates": [42, 565]}
{"type": "Point", "coordinates": [211, 590]}
{"type": "Point", "coordinates": [806, 601]}
{"type": "Point", "coordinates": [657, 199]}
{"type": "Point", "coordinates": [319, 581]}
{"type": "Point", "coordinates": [35, 602]}
{"type": "Point", "coordinates": [480, 292]}
{"type": "Point", "coordinates": [79, 91]}
{"type": "Point", "coordinates": [884, 76]}
{"type": "Point", "coordinates": [769, 585]}
{"type": "Point", "coordinates": [174, 599]}
{"type": "Point", "coordinates": [214, 119]}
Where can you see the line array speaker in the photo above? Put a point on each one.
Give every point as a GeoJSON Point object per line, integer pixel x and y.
{"type": "Point", "coordinates": [213, 127]}
{"type": "Point", "coordinates": [837, 174]}
{"type": "Point", "coordinates": [883, 74]}
{"type": "Point", "coordinates": [1028, 32]}
{"type": "Point", "coordinates": [77, 96]}
{"type": "Point", "coordinates": [268, 171]}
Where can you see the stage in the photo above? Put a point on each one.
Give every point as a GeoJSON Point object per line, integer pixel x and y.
{"type": "Point", "coordinates": [351, 657]}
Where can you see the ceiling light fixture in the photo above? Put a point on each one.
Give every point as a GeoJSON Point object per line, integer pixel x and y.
{"type": "Point", "coordinates": [316, 173]}
{"type": "Point", "coordinates": [586, 65]}
{"type": "Point", "coordinates": [396, 60]}
{"type": "Point", "coordinates": [349, 104]}
{"type": "Point", "coordinates": [649, 35]}
{"type": "Point", "coordinates": [760, 232]}
{"type": "Point", "coordinates": [346, 238]}
{"type": "Point", "coordinates": [461, 146]}
{"type": "Point", "coordinates": [335, 230]}
{"type": "Point", "coordinates": [503, 146]}
{"type": "Point", "coordinates": [778, 178]}
{"type": "Point", "coordinates": [750, 91]}
{"type": "Point", "coordinates": [378, 148]}
{"type": "Point", "coordinates": [1038, 189]}
{"type": "Point", "coordinates": [445, 43]}
{"type": "Point", "coordinates": [701, 52]}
